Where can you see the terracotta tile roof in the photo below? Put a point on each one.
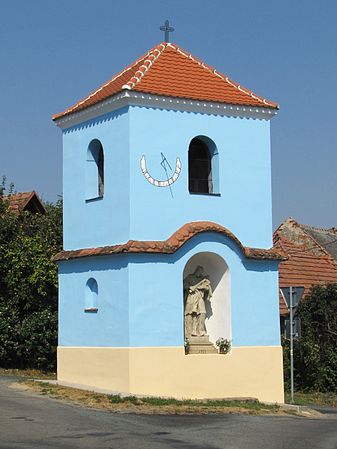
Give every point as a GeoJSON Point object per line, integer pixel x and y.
{"type": "Point", "coordinates": [327, 238]}
{"type": "Point", "coordinates": [171, 245]}
{"type": "Point", "coordinates": [29, 201]}
{"type": "Point", "coordinates": [308, 263]}
{"type": "Point", "coordinates": [170, 71]}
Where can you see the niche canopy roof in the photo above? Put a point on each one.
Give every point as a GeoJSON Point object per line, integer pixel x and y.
{"type": "Point", "coordinates": [169, 71]}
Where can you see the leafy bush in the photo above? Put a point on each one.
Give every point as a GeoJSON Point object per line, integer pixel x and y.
{"type": "Point", "coordinates": [39, 333]}
{"type": "Point", "coordinates": [315, 353]}
{"type": "Point", "coordinates": [28, 286]}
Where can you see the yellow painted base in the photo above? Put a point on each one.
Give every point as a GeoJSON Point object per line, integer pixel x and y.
{"type": "Point", "coordinates": [247, 372]}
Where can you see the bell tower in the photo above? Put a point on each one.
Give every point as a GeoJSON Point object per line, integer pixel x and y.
{"type": "Point", "coordinates": [167, 169]}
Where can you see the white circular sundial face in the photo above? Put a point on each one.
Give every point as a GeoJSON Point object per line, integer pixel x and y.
{"type": "Point", "coordinates": [156, 182]}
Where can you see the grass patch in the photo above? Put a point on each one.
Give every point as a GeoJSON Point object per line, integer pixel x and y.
{"type": "Point", "coordinates": [313, 398]}
{"type": "Point", "coordinates": [149, 405]}
{"type": "Point", "coordinates": [249, 404]}
{"type": "Point", "coordinates": [27, 373]}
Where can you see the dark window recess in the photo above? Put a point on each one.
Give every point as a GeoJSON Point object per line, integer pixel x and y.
{"type": "Point", "coordinates": [91, 310]}
{"type": "Point", "coordinates": [199, 167]}
{"type": "Point", "coordinates": [100, 166]}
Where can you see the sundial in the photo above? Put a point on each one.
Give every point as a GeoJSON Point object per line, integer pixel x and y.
{"type": "Point", "coordinates": [166, 166]}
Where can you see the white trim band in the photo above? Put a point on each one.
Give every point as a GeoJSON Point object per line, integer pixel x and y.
{"type": "Point", "coordinates": [132, 98]}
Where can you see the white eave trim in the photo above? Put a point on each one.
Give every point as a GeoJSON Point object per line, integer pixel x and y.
{"type": "Point", "coordinates": [132, 98]}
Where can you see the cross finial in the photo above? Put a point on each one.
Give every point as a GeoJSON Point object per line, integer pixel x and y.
{"type": "Point", "coordinates": [167, 29]}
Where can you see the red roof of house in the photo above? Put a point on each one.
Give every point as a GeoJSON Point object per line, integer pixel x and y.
{"type": "Point", "coordinates": [171, 71]}
{"type": "Point", "coordinates": [308, 263]}
{"type": "Point", "coordinates": [25, 201]}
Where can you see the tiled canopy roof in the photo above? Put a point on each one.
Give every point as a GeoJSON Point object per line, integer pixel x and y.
{"type": "Point", "coordinates": [171, 245]}
{"type": "Point", "coordinates": [308, 262]}
{"type": "Point", "coordinates": [170, 71]}
{"type": "Point", "coordinates": [25, 201]}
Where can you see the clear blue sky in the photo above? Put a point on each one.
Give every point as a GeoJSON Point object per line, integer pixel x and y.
{"type": "Point", "coordinates": [54, 53]}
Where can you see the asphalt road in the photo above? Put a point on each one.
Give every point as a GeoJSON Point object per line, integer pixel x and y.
{"type": "Point", "coordinates": [32, 422]}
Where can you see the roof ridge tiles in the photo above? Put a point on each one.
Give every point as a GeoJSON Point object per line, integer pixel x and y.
{"type": "Point", "coordinates": [307, 226]}
{"type": "Point", "coordinates": [130, 84]}
{"type": "Point", "coordinates": [317, 228]}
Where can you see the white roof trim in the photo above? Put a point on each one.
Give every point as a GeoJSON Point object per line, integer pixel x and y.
{"type": "Point", "coordinates": [132, 98]}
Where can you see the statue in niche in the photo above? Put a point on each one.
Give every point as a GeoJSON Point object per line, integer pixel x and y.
{"type": "Point", "coordinates": [197, 290]}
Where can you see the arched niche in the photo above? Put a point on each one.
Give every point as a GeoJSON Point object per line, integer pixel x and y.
{"type": "Point", "coordinates": [203, 166]}
{"type": "Point", "coordinates": [91, 295]}
{"type": "Point", "coordinates": [218, 310]}
{"type": "Point", "coordinates": [94, 170]}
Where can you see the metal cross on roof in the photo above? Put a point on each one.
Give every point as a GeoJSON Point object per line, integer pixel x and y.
{"type": "Point", "coordinates": [166, 27]}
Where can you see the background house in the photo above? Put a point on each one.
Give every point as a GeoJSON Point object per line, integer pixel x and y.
{"type": "Point", "coordinates": [26, 201]}
{"type": "Point", "coordinates": [311, 257]}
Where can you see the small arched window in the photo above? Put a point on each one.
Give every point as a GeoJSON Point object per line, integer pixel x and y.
{"type": "Point", "coordinates": [95, 170]}
{"type": "Point", "coordinates": [203, 166]}
{"type": "Point", "coordinates": [91, 295]}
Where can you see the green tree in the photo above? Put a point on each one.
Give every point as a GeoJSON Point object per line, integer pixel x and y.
{"type": "Point", "coordinates": [28, 286]}
{"type": "Point", "coordinates": [315, 353]}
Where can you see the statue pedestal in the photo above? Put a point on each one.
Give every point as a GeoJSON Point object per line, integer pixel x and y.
{"type": "Point", "coordinates": [201, 345]}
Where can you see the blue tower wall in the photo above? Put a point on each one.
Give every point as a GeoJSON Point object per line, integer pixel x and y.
{"type": "Point", "coordinates": [140, 298]}
{"type": "Point", "coordinates": [244, 204]}
{"type": "Point", "coordinates": [132, 208]}
{"type": "Point", "coordinates": [110, 325]}
{"type": "Point", "coordinates": [100, 221]}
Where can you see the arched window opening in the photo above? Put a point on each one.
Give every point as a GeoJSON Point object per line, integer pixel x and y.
{"type": "Point", "coordinates": [91, 296]}
{"type": "Point", "coordinates": [95, 170]}
{"type": "Point", "coordinates": [199, 167]}
{"type": "Point", "coordinates": [203, 166]}
{"type": "Point", "coordinates": [100, 166]}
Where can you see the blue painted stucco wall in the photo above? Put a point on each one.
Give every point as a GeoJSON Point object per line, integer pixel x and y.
{"type": "Point", "coordinates": [244, 204]}
{"type": "Point", "coordinates": [140, 298]}
{"type": "Point", "coordinates": [134, 209]}
{"type": "Point", "coordinates": [105, 220]}
{"type": "Point", "coordinates": [110, 325]}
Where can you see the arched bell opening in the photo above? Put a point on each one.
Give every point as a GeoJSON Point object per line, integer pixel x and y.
{"type": "Point", "coordinates": [95, 170]}
{"type": "Point", "coordinates": [211, 273]}
{"type": "Point", "coordinates": [203, 166]}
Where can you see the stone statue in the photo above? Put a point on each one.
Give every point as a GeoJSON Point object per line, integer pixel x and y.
{"type": "Point", "coordinates": [197, 290]}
